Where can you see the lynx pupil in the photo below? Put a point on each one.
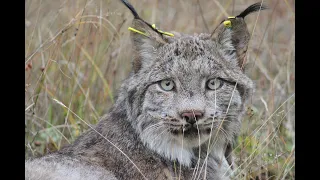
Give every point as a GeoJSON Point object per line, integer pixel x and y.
{"type": "Point", "coordinates": [213, 84]}
{"type": "Point", "coordinates": [167, 85]}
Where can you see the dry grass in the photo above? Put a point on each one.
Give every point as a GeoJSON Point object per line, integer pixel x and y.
{"type": "Point", "coordinates": [78, 52]}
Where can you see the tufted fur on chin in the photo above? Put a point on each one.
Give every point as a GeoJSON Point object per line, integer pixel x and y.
{"type": "Point", "coordinates": [146, 134]}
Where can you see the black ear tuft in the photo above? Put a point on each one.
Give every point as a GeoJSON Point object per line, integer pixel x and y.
{"type": "Point", "coordinates": [234, 35]}
{"type": "Point", "coordinates": [134, 12]}
{"type": "Point", "coordinates": [253, 8]}
{"type": "Point", "coordinates": [136, 16]}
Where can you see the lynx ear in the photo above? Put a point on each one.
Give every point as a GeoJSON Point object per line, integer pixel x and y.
{"type": "Point", "coordinates": [146, 40]}
{"type": "Point", "coordinates": [145, 45]}
{"type": "Point", "coordinates": [233, 35]}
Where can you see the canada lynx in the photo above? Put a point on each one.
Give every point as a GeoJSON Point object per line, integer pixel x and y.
{"type": "Point", "coordinates": [176, 115]}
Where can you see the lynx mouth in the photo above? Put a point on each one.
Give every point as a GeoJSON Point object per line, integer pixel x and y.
{"type": "Point", "coordinates": [188, 130]}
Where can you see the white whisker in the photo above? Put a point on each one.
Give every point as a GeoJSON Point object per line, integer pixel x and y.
{"type": "Point", "coordinates": [160, 133]}
{"type": "Point", "coordinates": [195, 171]}
{"type": "Point", "coordinates": [154, 126]}
{"type": "Point", "coordinates": [180, 168]}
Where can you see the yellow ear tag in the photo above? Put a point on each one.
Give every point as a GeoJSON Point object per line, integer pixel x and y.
{"type": "Point", "coordinates": [227, 24]}
{"type": "Point", "coordinates": [162, 32]}
{"type": "Point", "coordinates": [137, 31]}
{"type": "Point", "coordinates": [231, 17]}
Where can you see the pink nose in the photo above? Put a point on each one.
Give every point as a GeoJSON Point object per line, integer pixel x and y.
{"type": "Point", "coordinates": [191, 116]}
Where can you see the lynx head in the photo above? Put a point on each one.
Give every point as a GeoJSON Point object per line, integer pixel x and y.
{"type": "Point", "coordinates": [187, 89]}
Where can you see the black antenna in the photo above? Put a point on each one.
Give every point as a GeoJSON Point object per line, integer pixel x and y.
{"type": "Point", "coordinates": [253, 8]}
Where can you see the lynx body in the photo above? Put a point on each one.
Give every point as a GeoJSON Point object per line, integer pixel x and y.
{"type": "Point", "coordinates": [176, 115]}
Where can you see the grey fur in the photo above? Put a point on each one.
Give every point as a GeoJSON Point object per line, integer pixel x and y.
{"type": "Point", "coordinates": [157, 151]}
{"type": "Point", "coordinates": [51, 167]}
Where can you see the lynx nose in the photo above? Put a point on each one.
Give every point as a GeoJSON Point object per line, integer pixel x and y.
{"type": "Point", "coordinates": [191, 116]}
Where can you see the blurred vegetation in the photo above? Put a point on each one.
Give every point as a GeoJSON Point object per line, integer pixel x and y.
{"type": "Point", "coordinates": [77, 52]}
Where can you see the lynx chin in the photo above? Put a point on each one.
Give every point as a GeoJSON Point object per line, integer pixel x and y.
{"type": "Point", "coordinates": [176, 115]}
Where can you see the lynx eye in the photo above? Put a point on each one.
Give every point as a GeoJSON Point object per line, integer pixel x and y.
{"type": "Point", "coordinates": [167, 85]}
{"type": "Point", "coordinates": [214, 84]}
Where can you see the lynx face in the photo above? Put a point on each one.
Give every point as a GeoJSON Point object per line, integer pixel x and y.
{"type": "Point", "coordinates": [188, 86]}
{"type": "Point", "coordinates": [188, 90]}
{"type": "Point", "coordinates": [189, 93]}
